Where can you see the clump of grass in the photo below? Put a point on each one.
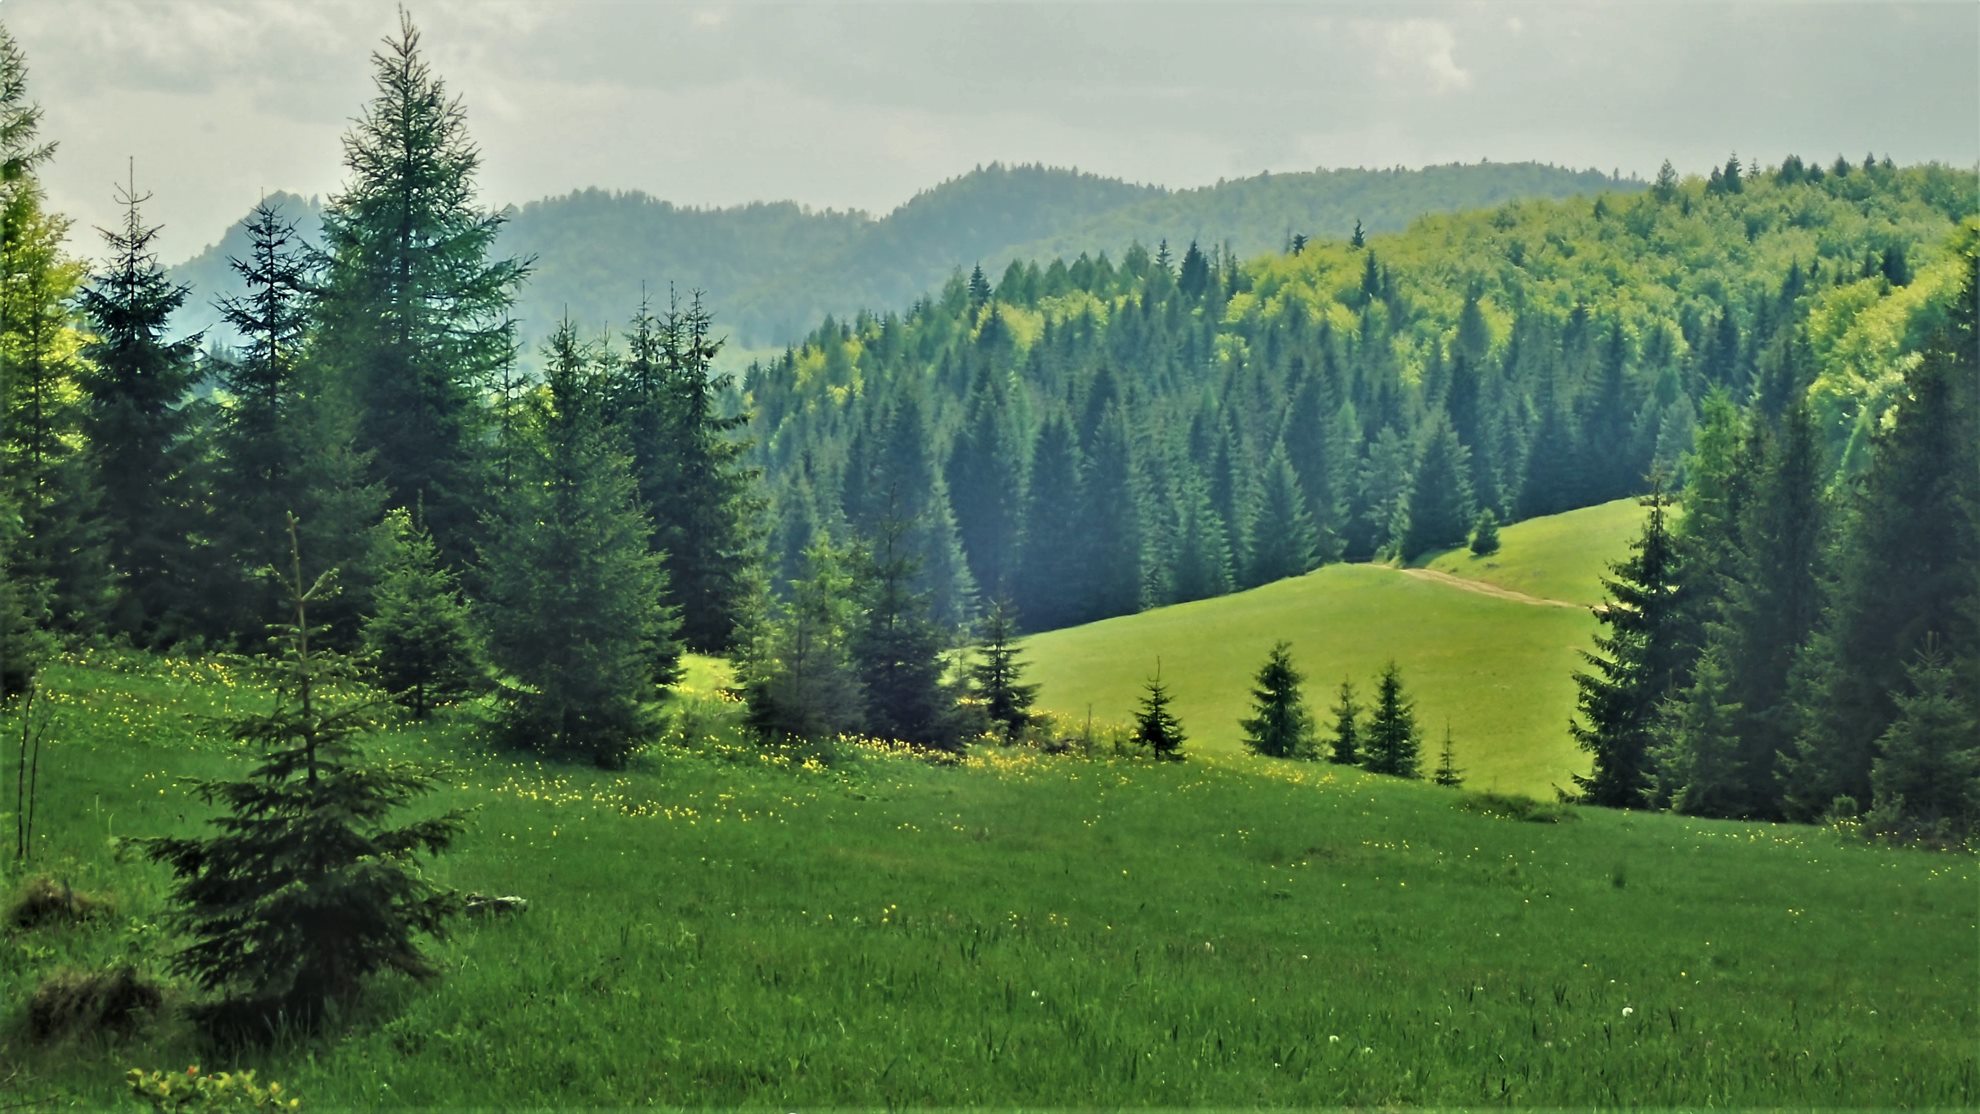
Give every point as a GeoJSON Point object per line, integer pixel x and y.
{"type": "Point", "coordinates": [1516, 806]}
{"type": "Point", "coordinates": [43, 900]}
{"type": "Point", "coordinates": [91, 1001]}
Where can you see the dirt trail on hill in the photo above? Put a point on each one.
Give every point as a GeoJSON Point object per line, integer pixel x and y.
{"type": "Point", "coordinates": [1485, 589]}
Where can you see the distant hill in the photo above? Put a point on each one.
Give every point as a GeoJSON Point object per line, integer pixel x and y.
{"type": "Point", "coordinates": [772, 271]}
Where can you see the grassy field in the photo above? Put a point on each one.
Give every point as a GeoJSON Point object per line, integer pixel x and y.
{"type": "Point", "coordinates": [718, 926]}
{"type": "Point", "coordinates": [1497, 670]}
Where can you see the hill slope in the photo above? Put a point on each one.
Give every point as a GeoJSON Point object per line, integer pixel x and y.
{"type": "Point", "coordinates": [1497, 667]}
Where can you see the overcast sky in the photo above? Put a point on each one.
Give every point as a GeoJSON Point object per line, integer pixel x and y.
{"type": "Point", "coordinates": [863, 104]}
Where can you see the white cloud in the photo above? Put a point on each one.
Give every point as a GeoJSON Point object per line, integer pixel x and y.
{"type": "Point", "coordinates": [1416, 50]}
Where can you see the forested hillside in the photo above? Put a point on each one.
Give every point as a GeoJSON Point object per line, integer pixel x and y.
{"type": "Point", "coordinates": [1089, 437]}
{"type": "Point", "coordinates": [776, 269]}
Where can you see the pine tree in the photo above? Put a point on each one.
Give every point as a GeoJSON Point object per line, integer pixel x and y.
{"type": "Point", "coordinates": [1926, 777]}
{"type": "Point", "coordinates": [1485, 534]}
{"type": "Point", "coordinates": [577, 627]}
{"type": "Point", "coordinates": [994, 676]}
{"type": "Point", "coordinates": [414, 314]}
{"type": "Point", "coordinates": [905, 488]}
{"type": "Point", "coordinates": [1155, 727]}
{"type": "Point", "coordinates": [985, 475]}
{"type": "Point", "coordinates": [306, 889]}
{"type": "Point", "coordinates": [1440, 505]}
{"type": "Point", "coordinates": [1282, 535]}
{"type": "Point", "coordinates": [420, 638]}
{"type": "Point", "coordinates": [1203, 561]}
{"type": "Point", "coordinates": [1394, 743]}
{"type": "Point", "coordinates": [1638, 663]}
{"type": "Point", "coordinates": [1280, 726]}
{"type": "Point", "coordinates": [798, 678]}
{"type": "Point", "coordinates": [137, 423]}
{"type": "Point", "coordinates": [1448, 773]}
{"type": "Point", "coordinates": [1345, 749]}
{"type": "Point", "coordinates": [1384, 494]}
{"type": "Point", "coordinates": [1115, 520]}
{"type": "Point", "coordinates": [1695, 751]}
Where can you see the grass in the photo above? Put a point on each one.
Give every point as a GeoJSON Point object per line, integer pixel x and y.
{"type": "Point", "coordinates": [1499, 671]}
{"type": "Point", "coordinates": [1558, 557]}
{"type": "Point", "coordinates": [718, 926]}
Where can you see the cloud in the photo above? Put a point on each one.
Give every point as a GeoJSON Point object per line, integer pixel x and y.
{"type": "Point", "coordinates": [1417, 49]}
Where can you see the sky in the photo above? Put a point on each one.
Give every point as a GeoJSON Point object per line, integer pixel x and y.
{"type": "Point", "coordinates": [863, 104]}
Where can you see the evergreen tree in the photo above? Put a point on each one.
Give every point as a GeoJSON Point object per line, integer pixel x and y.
{"type": "Point", "coordinates": [1283, 538]}
{"type": "Point", "coordinates": [260, 479]}
{"type": "Point", "coordinates": [1052, 576]}
{"type": "Point", "coordinates": [414, 314]}
{"type": "Point", "coordinates": [1203, 561]}
{"type": "Point", "coordinates": [897, 649]}
{"type": "Point", "coordinates": [1279, 726]}
{"type": "Point", "coordinates": [993, 677]}
{"type": "Point", "coordinates": [688, 460]}
{"type": "Point", "coordinates": [1440, 505]}
{"type": "Point", "coordinates": [306, 889]}
{"type": "Point", "coordinates": [1638, 663]}
{"type": "Point", "coordinates": [1346, 743]}
{"type": "Point", "coordinates": [420, 639]}
{"type": "Point", "coordinates": [1394, 743]}
{"type": "Point", "coordinates": [1448, 773]}
{"type": "Point", "coordinates": [1910, 544]}
{"type": "Point", "coordinates": [985, 476]}
{"type": "Point", "coordinates": [1485, 534]}
{"type": "Point", "coordinates": [1695, 755]}
{"type": "Point", "coordinates": [798, 678]}
{"type": "Point", "coordinates": [1114, 518]}
{"type": "Point", "coordinates": [1384, 494]}
{"type": "Point", "coordinates": [1925, 780]}
{"type": "Point", "coordinates": [1155, 727]}
{"type": "Point", "coordinates": [905, 488]}
{"type": "Point", "coordinates": [137, 423]}
{"type": "Point", "coordinates": [577, 627]}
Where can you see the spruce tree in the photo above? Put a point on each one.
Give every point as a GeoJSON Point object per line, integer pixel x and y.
{"type": "Point", "coordinates": [1637, 663]}
{"type": "Point", "coordinates": [994, 677]}
{"type": "Point", "coordinates": [414, 313]}
{"type": "Point", "coordinates": [1345, 746]}
{"type": "Point", "coordinates": [1115, 520]}
{"type": "Point", "coordinates": [1155, 727]}
{"type": "Point", "coordinates": [1052, 577]}
{"type": "Point", "coordinates": [260, 478]}
{"type": "Point", "coordinates": [1203, 562]}
{"type": "Point", "coordinates": [577, 626]}
{"type": "Point", "coordinates": [307, 888]}
{"type": "Point", "coordinates": [1283, 538]}
{"type": "Point", "coordinates": [137, 423]}
{"type": "Point", "coordinates": [1394, 745]}
{"type": "Point", "coordinates": [1695, 753]}
{"type": "Point", "coordinates": [1925, 780]}
{"type": "Point", "coordinates": [1485, 534]}
{"type": "Point", "coordinates": [420, 637]}
{"type": "Point", "coordinates": [1279, 726]}
{"type": "Point", "coordinates": [1448, 773]}
{"type": "Point", "coordinates": [1439, 506]}
{"type": "Point", "coordinates": [798, 676]}
{"type": "Point", "coordinates": [985, 474]}
{"type": "Point", "coordinates": [897, 649]}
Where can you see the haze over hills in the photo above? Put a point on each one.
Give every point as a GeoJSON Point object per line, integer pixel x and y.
{"type": "Point", "coordinates": [772, 270]}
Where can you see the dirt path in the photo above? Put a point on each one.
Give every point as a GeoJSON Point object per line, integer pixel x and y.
{"type": "Point", "coordinates": [1485, 589]}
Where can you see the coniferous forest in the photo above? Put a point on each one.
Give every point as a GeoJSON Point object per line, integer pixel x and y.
{"type": "Point", "coordinates": [436, 504]}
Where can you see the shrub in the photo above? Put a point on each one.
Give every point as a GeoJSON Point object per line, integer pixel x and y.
{"type": "Point", "coordinates": [1515, 806]}
{"type": "Point", "coordinates": [42, 899]}
{"type": "Point", "coordinates": [222, 1090]}
{"type": "Point", "coordinates": [69, 1000]}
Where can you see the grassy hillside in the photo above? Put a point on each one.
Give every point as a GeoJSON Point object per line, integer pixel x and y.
{"type": "Point", "coordinates": [1497, 669]}
{"type": "Point", "coordinates": [721, 927]}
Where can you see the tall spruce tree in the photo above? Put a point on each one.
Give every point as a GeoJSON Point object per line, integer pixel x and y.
{"type": "Point", "coordinates": [260, 478]}
{"type": "Point", "coordinates": [414, 312]}
{"type": "Point", "coordinates": [307, 888]}
{"type": "Point", "coordinates": [1114, 511]}
{"type": "Point", "coordinates": [1052, 577]}
{"type": "Point", "coordinates": [1925, 780]}
{"type": "Point", "coordinates": [137, 421]}
{"type": "Point", "coordinates": [1394, 744]}
{"type": "Point", "coordinates": [897, 648]}
{"type": "Point", "coordinates": [578, 628]}
{"type": "Point", "coordinates": [1440, 506]}
{"type": "Point", "coordinates": [985, 474]}
{"type": "Point", "coordinates": [1638, 662]}
{"type": "Point", "coordinates": [1279, 726]}
{"type": "Point", "coordinates": [1283, 537]}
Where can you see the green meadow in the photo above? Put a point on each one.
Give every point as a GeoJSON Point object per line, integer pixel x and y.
{"type": "Point", "coordinates": [1497, 669]}
{"type": "Point", "coordinates": [722, 926]}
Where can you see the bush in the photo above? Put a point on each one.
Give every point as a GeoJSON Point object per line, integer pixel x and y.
{"type": "Point", "coordinates": [42, 900]}
{"type": "Point", "coordinates": [1515, 806]}
{"type": "Point", "coordinates": [69, 1001]}
{"type": "Point", "coordinates": [222, 1090]}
